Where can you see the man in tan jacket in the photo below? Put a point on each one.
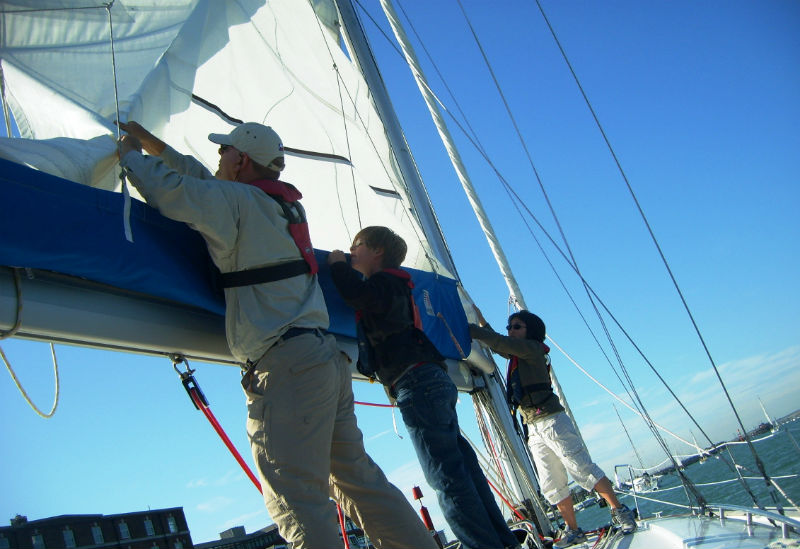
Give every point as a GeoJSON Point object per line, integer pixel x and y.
{"type": "Point", "coordinates": [301, 422]}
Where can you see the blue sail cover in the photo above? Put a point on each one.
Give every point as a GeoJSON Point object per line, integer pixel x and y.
{"type": "Point", "coordinates": [56, 225]}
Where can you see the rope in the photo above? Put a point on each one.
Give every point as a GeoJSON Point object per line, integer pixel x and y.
{"type": "Point", "coordinates": [392, 406]}
{"type": "Point", "coordinates": [200, 402]}
{"type": "Point", "coordinates": [440, 316]}
{"type": "Point", "coordinates": [126, 195]}
{"type": "Point", "coordinates": [25, 394]}
{"type": "Point", "coordinates": [657, 500]}
{"type": "Point", "coordinates": [340, 514]}
{"type": "Point", "coordinates": [374, 404]}
{"type": "Point", "coordinates": [508, 503]}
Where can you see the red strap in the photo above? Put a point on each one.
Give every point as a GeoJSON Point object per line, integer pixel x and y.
{"type": "Point", "coordinates": [286, 191]}
{"type": "Point", "coordinates": [202, 406]}
{"type": "Point", "coordinates": [400, 273]}
{"type": "Point", "coordinates": [512, 365]}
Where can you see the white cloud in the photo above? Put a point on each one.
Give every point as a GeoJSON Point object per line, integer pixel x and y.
{"type": "Point", "coordinates": [774, 377]}
{"type": "Point", "coordinates": [257, 517]}
{"type": "Point", "coordinates": [230, 477]}
{"type": "Point", "coordinates": [197, 483]}
{"type": "Point", "coordinates": [379, 435]}
{"type": "Point", "coordinates": [214, 505]}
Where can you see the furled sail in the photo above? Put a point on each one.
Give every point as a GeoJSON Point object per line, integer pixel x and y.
{"type": "Point", "coordinates": [184, 69]}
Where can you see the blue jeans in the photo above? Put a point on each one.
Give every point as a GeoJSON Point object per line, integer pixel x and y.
{"type": "Point", "coordinates": [426, 397]}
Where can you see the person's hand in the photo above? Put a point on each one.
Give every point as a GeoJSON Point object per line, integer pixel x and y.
{"type": "Point", "coordinates": [151, 143]}
{"type": "Point", "coordinates": [336, 256]}
{"type": "Point", "coordinates": [128, 143]}
{"type": "Point", "coordinates": [481, 321]}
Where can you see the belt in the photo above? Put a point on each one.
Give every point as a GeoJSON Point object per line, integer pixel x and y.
{"type": "Point", "coordinates": [294, 331]}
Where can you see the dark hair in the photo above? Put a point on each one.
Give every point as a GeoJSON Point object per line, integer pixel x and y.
{"type": "Point", "coordinates": [534, 326]}
{"type": "Point", "coordinates": [265, 172]}
{"type": "Point", "coordinates": [383, 238]}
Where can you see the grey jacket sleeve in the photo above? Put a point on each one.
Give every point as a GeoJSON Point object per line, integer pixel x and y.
{"type": "Point", "coordinates": [503, 345]}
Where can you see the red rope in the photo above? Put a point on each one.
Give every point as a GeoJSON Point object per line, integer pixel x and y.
{"type": "Point", "coordinates": [514, 509]}
{"type": "Point", "coordinates": [221, 432]}
{"type": "Point", "coordinates": [373, 404]}
{"type": "Point", "coordinates": [599, 537]}
{"type": "Point", "coordinates": [341, 525]}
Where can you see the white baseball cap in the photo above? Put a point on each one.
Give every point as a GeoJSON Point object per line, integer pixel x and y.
{"type": "Point", "coordinates": [260, 142]}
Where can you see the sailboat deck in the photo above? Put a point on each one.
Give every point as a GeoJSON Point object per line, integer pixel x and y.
{"type": "Point", "coordinates": [701, 532]}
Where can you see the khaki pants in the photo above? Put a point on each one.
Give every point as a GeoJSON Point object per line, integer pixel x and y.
{"type": "Point", "coordinates": [307, 447]}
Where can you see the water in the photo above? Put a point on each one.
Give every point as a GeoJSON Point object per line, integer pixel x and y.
{"type": "Point", "coordinates": [777, 452]}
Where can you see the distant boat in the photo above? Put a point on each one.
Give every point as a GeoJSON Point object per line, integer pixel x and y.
{"type": "Point", "coordinates": [640, 484]}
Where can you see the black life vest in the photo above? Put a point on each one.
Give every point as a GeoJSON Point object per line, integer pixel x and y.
{"type": "Point", "coordinates": [288, 197]}
{"type": "Point", "coordinates": [520, 388]}
{"type": "Point", "coordinates": [392, 341]}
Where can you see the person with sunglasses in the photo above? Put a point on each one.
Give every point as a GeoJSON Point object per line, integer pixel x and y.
{"type": "Point", "coordinates": [554, 443]}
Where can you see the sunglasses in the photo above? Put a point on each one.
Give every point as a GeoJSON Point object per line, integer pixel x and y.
{"type": "Point", "coordinates": [223, 148]}
{"type": "Point", "coordinates": [515, 326]}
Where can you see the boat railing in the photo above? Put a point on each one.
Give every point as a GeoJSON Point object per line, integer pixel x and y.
{"type": "Point", "coordinates": [785, 522]}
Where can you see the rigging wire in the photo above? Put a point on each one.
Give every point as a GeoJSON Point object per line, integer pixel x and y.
{"type": "Point", "coordinates": [630, 387]}
{"type": "Point", "coordinates": [517, 199]}
{"type": "Point", "coordinates": [759, 463]}
{"type": "Point", "coordinates": [590, 293]}
{"type": "Point", "coordinates": [471, 135]}
{"type": "Point", "coordinates": [635, 451]}
{"type": "Point", "coordinates": [339, 83]}
{"type": "Point", "coordinates": [126, 195]}
{"type": "Point", "coordinates": [406, 195]}
{"type": "Point", "coordinates": [413, 207]}
{"type": "Point", "coordinates": [6, 112]}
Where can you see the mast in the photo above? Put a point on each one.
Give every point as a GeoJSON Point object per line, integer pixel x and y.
{"type": "Point", "coordinates": [362, 53]}
{"type": "Point", "coordinates": [463, 176]}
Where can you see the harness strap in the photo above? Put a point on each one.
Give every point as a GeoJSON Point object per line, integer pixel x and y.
{"type": "Point", "coordinates": [405, 275]}
{"type": "Point", "coordinates": [288, 198]}
{"type": "Point", "coordinates": [531, 387]}
{"type": "Point", "coordinates": [260, 275]}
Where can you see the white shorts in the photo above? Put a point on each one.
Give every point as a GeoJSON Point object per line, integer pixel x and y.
{"type": "Point", "coordinates": [557, 450]}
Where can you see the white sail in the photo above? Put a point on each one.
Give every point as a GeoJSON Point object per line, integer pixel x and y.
{"type": "Point", "coordinates": [172, 61]}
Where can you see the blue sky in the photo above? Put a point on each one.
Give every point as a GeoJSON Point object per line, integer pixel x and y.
{"type": "Point", "coordinates": [700, 102]}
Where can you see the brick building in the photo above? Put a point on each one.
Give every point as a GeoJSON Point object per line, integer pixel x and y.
{"type": "Point", "coordinates": [156, 529]}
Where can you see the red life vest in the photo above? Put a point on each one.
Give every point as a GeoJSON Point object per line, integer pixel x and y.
{"type": "Point", "coordinates": [288, 197]}
{"type": "Point", "coordinates": [405, 275]}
